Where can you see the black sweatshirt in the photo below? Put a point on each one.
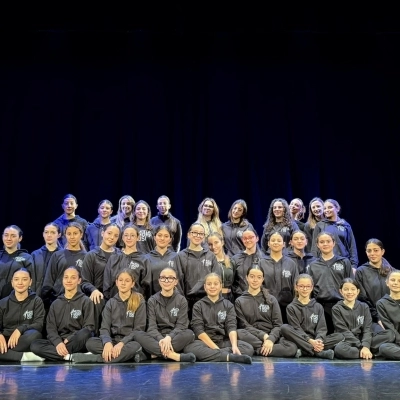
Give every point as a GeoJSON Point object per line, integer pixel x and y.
{"type": "Point", "coordinates": [233, 236]}
{"type": "Point", "coordinates": [120, 324]}
{"type": "Point", "coordinates": [22, 315]}
{"type": "Point", "coordinates": [136, 262]}
{"type": "Point", "coordinates": [59, 262]}
{"type": "Point", "coordinates": [9, 263]}
{"type": "Point", "coordinates": [145, 242]}
{"type": "Point", "coordinates": [285, 231]}
{"type": "Point", "coordinates": [259, 316]}
{"type": "Point", "coordinates": [68, 316]}
{"type": "Point", "coordinates": [93, 232]}
{"type": "Point", "coordinates": [389, 314]}
{"type": "Point", "coordinates": [166, 315]}
{"type": "Point", "coordinates": [41, 258]}
{"type": "Point", "coordinates": [93, 267]}
{"type": "Point", "coordinates": [354, 323]}
{"type": "Point", "coordinates": [372, 286]}
{"type": "Point", "coordinates": [307, 319]}
{"type": "Point", "coordinates": [302, 262]}
{"type": "Point", "coordinates": [327, 276]}
{"type": "Point", "coordinates": [217, 319]}
{"type": "Point", "coordinates": [172, 222]}
{"type": "Point", "coordinates": [192, 267]}
{"type": "Point", "coordinates": [63, 222]}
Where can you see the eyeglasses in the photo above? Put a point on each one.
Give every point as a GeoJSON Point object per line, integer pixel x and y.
{"type": "Point", "coordinates": [302, 287]}
{"type": "Point", "coordinates": [167, 279]}
{"type": "Point", "coordinates": [208, 206]}
{"type": "Point", "coordinates": [248, 239]}
{"type": "Point", "coordinates": [198, 234]}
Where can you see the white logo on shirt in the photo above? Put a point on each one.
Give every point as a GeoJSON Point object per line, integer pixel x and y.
{"type": "Point", "coordinates": [143, 235]}
{"type": "Point", "coordinates": [174, 312]}
{"type": "Point", "coordinates": [19, 259]}
{"type": "Point", "coordinates": [130, 314]}
{"type": "Point", "coordinates": [239, 234]}
{"type": "Point", "coordinates": [284, 229]}
{"type": "Point", "coordinates": [338, 267]}
{"type": "Point", "coordinates": [314, 318]}
{"type": "Point", "coordinates": [75, 314]}
{"type": "Point", "coordinates": [360, 320]}
{"type": "Point", "coordinates": [263, 307]}
{"type": "Point", "coordinates": [341, 228]}
{"type": "Point", "coordinates": [221, 315]}
{"type": "Point", "coordinates": [79, 263]}
{"type": "Point", "coordinates": [28, 314]}
{"type": "Point", "coordinates": [171, 263]}
{"type": "Point", "coordinates": [133, 265]}
{"type": "Point", "coordinates": [286, 273]}
{"type": "Point", "coordinates": [206, 263]}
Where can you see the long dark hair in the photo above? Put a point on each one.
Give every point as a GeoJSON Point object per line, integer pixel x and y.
{"type": "Point", "coordinates": [264, 291]}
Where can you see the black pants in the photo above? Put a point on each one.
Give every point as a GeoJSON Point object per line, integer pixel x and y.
{"type": "Point", "coordinates": [24, 344]}
{"type": "Point", "coordinates": [128, 351]}
{"type": "Point", "coordinates": [281, 348]}
{"type": "Point", "coordinates": [297, 337]}
{"type": "Point", "coordinates": [46, 349]}
{"type": "Point", "coordinates": [150, 344]}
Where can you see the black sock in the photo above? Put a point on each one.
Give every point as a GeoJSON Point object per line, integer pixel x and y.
{"type": "Point", "coordinates": [245, 359]}
{"type": "Point", "coordinates": [187, 357]}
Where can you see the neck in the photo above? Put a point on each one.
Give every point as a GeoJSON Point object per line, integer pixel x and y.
{"type": "Point", "coordinates": [328, 256]}
{"type": "Point", "coordinates": [213, 298]}
{"type": "Point", "coordinates": [278, 219]}
{"type": "Point", "coordinates": [76, 247]}
{"type": "Point", "coordinates": [235, 220]}
{"type": "Point", "coordinates": [304, 299]}
{"type": "Point", "coordinates": [105, 221]}
{"type": "Point", "coordinates": [129, 250]}
{"type": "Point", "coordinates": [300, 253]}
{"type": "Point", "coordinates": [125, 296]}
{"type": "Point", "coordinates": [167, 293]}
{"type": "Point", "coordinates": [106, 248]}
{"type": "Point", "coordinates": [140, 221]}
{"type": "Point", "coordinates": [376, 265]}
{"type": "Point", "coordinates": [333, 218]}
{"type": "Point", "coordinates": [349, 304]}
{"type": "Point", "coordinates": [276, 255]}
{"type": "Point", "coordinates": [51, 247]}
{"type": "Point", "coordinates": [207, 218]}
{"type": "Point", "coordinates": [220, 256]}
{"type": "Point", "coordinates": [195, 247]}
{"type": "Point", "coordinates": [10, 250]}
{"type": "Point", "coordinates": [161, 250]}
{"type": "Point", "coordinates": [250, 251]}
{"type": "Point", "coordinates": [69, 294]}
{"type": "Point", "coordinates": [69, 216]}
{"type": "Point", "coordinates": [21, 296]}
{"type": "Point", "coordinates": [395, 296]}
{"type": "Point", "coordinates": [254, 292]}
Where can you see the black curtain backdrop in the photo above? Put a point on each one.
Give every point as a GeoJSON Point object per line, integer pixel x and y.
{"type": "Point", "coordinates": [298, 110]}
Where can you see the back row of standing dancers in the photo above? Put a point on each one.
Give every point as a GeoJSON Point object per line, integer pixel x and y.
{"type": "Point", "coordinates": [206, 253]}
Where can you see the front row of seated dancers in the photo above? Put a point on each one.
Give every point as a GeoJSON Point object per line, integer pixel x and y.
{"type": "Point", "coordinates": [135, 330]}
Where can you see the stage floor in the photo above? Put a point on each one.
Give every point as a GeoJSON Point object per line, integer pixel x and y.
{"type": "Point", "coordinates": [266, 378]}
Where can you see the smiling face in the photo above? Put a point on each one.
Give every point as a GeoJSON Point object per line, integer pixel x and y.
{"type": "Point", "coordinates": [278, 209]}
{"type": "Point", "coordinates": [249, 239]}
{"type": "Point", "coordinates": [163, 205]}
{"type": "Point", "coordinates": [295, 206]}
{"type": "Point", "coordinates": [325, 243]}
{"type": "Point", "coordinates": [110, 235]}
{"type": "Point", "coordinates": [349, 292]}
{"type": "Point", "coordinates": [213, 286]}
{"type": "Point", "coordinates": [126, 206]}
{"type": "Point", "coordinates": [105, 210]}
{"type": "Point", "coordinates": [11, 238]}
{"type": "Point", "coordinates": [73, 236]}
{"type": "Point", "coordinates": [124, 283]}
{"type": "Point", "coordinates": [208, 209]}
{"type": "Point", "coordinates": [69, 206]}
{"type": "Point", "coordinates": [255, 278]}
{"type": "Point", "coordinates": [237, 212]}
{"type": "Point", "coordinates": [317, 208]}
{"type": "Point", "coordinates": [393, 283]}
{"type": "Point", "coordinates": [374, 254]}
{"type": "Point", "coordinates": [168, 279]}
{"type": "Point", "coordinates": [130, 237]}
{"type": "Point", "coordinates": [215, 244]}
{"type": "Point", "coordinates": [141, 211]}
{"type": "Point", "coordinates": [196, 234]}
{"type": "Point", "coordinates": [71, 279]}
{"type": "Point", "coordinates": [162, 238]}
{"type": "Point", "coordinates": [298, 241]}
{"type": "Point", "coordinates": [276, 243]}
{"type": "Point", "coordinates": [330, 211]}
{"type": "Point", "coordinates": [304, 287]}
{"type": "Point", "coordinates": [21, 282]}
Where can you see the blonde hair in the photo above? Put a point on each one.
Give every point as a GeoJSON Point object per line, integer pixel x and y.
{"type": "Point", "coordinates": [135, 298]}
{"type": "Point", "coordinates": [215, 224]}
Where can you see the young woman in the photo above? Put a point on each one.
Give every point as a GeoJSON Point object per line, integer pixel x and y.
{"type": "Point", "coordinates": [328, 271]}
{"type": "Point", "coordinates": [70, 322]}
{"type": "Point", "coordinates": [259, 318]}
{"type": "Point", "coordinates": [167, 315]}
{"type": "Point", "coordinates": [164, 217]}
{"type": "Point", "coordinates": [345, 244]}
{"type": "Point", "coordinates": [353, 319]}
{"type": "Point", "coordinates": [193, 264]}
{"type": "Point", "coordinates": [41, 257]}
{"type": "Point", "coordinates": [214, 325]}
{"type": "Point", "coordinates": [128, 258]}
{"type": "Point", "coordinates": [93, 233]}
{"type": "Point", "coordinates": [93, 267]}
{"type": "Point", "coordinates": [389, 315]}
{"type": "Point", "coordinates": [235, 226]}
{"type": "Point", "coordinates": [123, 316]}
{"type": "Point", "coordinates": [280, 273]}
{"type": "Point", "coordinates": [306, 323]}
{"type": "Point", "coordinates": [69, 205]}
{"type": "Point", "coordinates": [371, 278]}
{"type": "Point", "coordinates": [315, 214]}
{"type": "Point", "coordinates": [161, 257]}
{"type": "Point", "coordinates": [21, 320]}
{"type": "Point", "coordinates": [124, 214]}
{"type": "Point", "coordinates": [141, 218]}
{"type": "Point", "coordinates": [12, 258]}
{"type": "Point", "coordinates": [216, 245]}
{"type": "Point", "coordinates": [278, 220]}
{"type": "Point", "coordinates": [72, 255]}
{"type": "Point", "coordinates": [298, 243]}
{"type": "Point", "coordinates": [241, 262]}
{"type": "Point", "coordinates": [297, 211]}
{"type": "Point", "coordinates": [208, 217]}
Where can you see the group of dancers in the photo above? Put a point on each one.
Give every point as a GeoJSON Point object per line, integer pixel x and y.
{"type": "Point", "coordinates": [120, 289]}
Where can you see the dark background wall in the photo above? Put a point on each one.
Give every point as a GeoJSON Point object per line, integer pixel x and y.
{"type": "Point", "coordinates": [194, 103]}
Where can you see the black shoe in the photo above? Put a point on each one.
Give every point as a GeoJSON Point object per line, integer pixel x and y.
{"type": "Point", "coordinates": [140, 356]}
{"type": "Point", "coordinates": [328, 354]}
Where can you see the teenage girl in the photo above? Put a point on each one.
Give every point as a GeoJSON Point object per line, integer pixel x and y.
{"type": "Point", "coordinates": [214, 325]}
{"type": "Point", "coordinates": [315, 214]}
{"type": "Point", "coordinates": [93, 233]}
{"type": "Point", "coordinates": [21, 320]}
{"type": "Point", "coordinates": [328, 272]}
{"type": "Point", "coordinates": [72, 255]}
{"type": "Point", "coordinates": [297, 211]}
{"type": "Point", "coordinates": [70, 322]}
{"type": "Point", "coordinates": [123, 316]}
{"type": "Point", "coordinates": [260, 319]}
{"type": "Point", "coordinates": [141, 218]}
{"type": "Point", "coordinates": [167, 315]}
{"type": "Point", "coordinates": [353, 319]}
{"type": "Point", "coordinates": [298, 243]}
{"type": "Point", "coordinates": [306, 323]}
